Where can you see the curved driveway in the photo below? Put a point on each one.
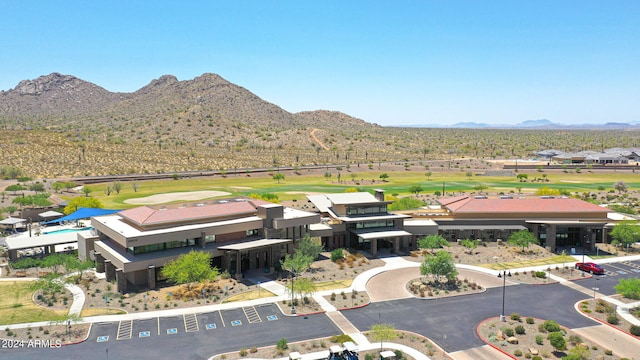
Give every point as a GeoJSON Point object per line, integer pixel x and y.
{"type": "Point", "coordinates": [391, 285]}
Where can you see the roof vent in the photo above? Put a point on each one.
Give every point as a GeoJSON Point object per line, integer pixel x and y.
{"type": "Point", "coordinates": [506, 197]}
{"type": "Point", "coordinates": [547, 197]}
{"type": "Point", "coordinates": [199, 205]}
{"type": "Point", "coordinates": [480, 197]}
{"type": "Point", "coordinates": [163, 208]}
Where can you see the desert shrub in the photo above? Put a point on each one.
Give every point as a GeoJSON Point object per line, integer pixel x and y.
{"type": "Point", "coordinates": [556, 339]}
{"type": "Point", "coordinates": [399, 354]}
{"type": "Point", "coordinates": [541, 274]}
{"type": "Point", "coordinates": [368, 357]}
{"type": "Point", "coordinates": [608, 352]}
{"type": "Point", "coordinates": [551, 326]}
{"type": "Point", "coordinates": [527, 355]}
{"type": "Point", "coordinates": [518, 352]}
{"type": "Point", "coordinates": [612, 319]}
{"type": "Point", "coordinates": [520, 330]}
{"type": "Point", "coordinates": [253, 350]}
{"type": "Point", "coordinates": [282, 344]}
{"type": "Point", "coordinates": [634, 330]}
{"type": "Point", "coordinates": [337, 254]}
{"type": "Point", "coordinates": [507, 331]}
{"type": "Point", "coordinates": [539, 339]}
{"type": "Point", "coordinates": [575, 339]}
{"type": "Point", "coordinates": [536, 358]}
{"type": "Point", "coordinates": [530, 320]}
{"type": "Point", "coordinates": [243, 352]}
{"type": "Point", "coordinates": [515, 316]}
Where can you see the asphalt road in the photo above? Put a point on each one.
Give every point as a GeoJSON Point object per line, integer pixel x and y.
{"type": "Point", "coordinates": [449, 322]}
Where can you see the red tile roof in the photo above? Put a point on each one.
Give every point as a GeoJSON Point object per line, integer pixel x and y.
{"type": "Point", "coordinates": [526, 205]}
{"type": "Point", "coordinates": [145, 216]}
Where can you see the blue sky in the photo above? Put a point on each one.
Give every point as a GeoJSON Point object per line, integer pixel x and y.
{"type": "Point", "coordinates": [387, 62]}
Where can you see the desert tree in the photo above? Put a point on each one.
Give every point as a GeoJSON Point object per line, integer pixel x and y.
{"type": "Point", "coordinates": [522, 238]}
{"type": "Point", "coordinates": [620, 187]}
{"type": "Point", "coordinates": [439, 266]}
{"type": "Point", "coordinates": [428, 175]}
{"type": "Point", "coordinates": [384, 176]}
{"type": "Point", "coordinates": [194, 266]}
{"type": "Point", "coordinates": [117, 186]}
{"type": "Point", "coordinates": [309, 246]}
{"type": "Point", "coordinates": [278, 176]}
{"type": "Point", "coordinates": [383, 332]}
{"type": "Point", "coordinates": [625, 233]}
{"type": "Point", "coordinates": [416, 189]}
{"type": "Point", "coordinates": [470, 245]}
{"type": "Point", "coordinates": [432, 242]}
{"type": "Point", "coordinates": [86, 190]}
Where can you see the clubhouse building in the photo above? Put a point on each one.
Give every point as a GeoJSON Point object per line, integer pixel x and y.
{"type": "Point", "coordinates": [243, 235]}
{"type": "Point", "coordinates": [240, 234]}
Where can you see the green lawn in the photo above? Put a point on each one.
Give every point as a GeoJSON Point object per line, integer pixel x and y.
{"type": "Point", "coordinates": [16, 306]}
{"type": "Point", "coordinates": [294, 186]}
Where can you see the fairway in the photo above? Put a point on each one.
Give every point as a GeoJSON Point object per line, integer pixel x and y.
{"type": "Point", "coordinates": [16, 306]}
{"type": "Point", "coordinates": [295, 187]}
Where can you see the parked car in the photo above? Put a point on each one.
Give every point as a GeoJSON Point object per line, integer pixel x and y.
{"type": "Point", "coordinates": [590, 267]}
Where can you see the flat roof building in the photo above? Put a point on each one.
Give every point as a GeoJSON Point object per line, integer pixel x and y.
{"type": "Point", "coordinates": [132, 245]}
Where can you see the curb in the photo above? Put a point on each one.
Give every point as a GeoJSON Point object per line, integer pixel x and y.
{"type": "Point", "coordinates": [486, 341]}
{"type": "Point", "coordinates": [577, 307]}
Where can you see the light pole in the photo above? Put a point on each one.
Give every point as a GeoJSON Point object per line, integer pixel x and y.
{"type": "Point", "coordinates": [582, 273]}
{"type": "Point", "coordinates": [503, 275]}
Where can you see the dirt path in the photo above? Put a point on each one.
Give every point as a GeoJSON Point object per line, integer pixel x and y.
{"type": "Point", "coordinates": [315, 138]}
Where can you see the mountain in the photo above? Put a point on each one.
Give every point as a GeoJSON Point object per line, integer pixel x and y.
{"type": "Point", "coordinates": [207, 110]}
{"type": "Point", "coordinates": [536, 123]}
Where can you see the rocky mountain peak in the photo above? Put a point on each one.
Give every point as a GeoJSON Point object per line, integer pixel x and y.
{"type": "Point", "coordinates": [53, 81]}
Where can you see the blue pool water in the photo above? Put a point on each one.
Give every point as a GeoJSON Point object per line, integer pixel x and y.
{"type": "Point", "coordinates": [62, 231]}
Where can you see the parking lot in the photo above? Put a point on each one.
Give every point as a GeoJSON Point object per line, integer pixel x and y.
{"type": "Point", "coordinates": [184, 324]}
{"type": "Point", "coordinates": [613, 272]}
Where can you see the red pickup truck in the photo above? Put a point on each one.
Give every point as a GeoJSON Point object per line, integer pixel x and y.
{"type": "Point", "coordinates": [590, 267]}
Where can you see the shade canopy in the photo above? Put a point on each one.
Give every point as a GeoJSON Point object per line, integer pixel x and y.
{"type": "Point", "coordinates": [83, 213]}
{"type": "Point", "coordinates": [50, 214]}
{"type": "Point", "coordinates": [12, 221]}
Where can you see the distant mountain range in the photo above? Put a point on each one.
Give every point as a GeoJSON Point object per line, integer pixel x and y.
{"type": "Point", "coordinates": [540, 124]}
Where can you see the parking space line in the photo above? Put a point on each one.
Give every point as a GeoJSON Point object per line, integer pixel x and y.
{"type": "Point", "coordinates": [158, 325]}
{"type": "Point", "coordinates": [221, 318]}
{"type": "Point", "coordinates": [252, 314]}
{"type": "Point", "coordinates": [619, 270]}
{"type": "Point", "coordinates": [124, 329]}
{"type": "Point", "coordinates": [191, 323]}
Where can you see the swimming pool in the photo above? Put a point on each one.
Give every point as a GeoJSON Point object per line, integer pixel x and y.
{"type": "Point", "coordinates": [62, 231]}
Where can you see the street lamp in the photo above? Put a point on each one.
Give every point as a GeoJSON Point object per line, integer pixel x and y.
{"type": "Point", "coordinates": [582, 262]}
{"type": "Point", "coordinates": [503, 275]}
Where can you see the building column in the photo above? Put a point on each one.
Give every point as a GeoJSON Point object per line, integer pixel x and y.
{"type": "Point", "coordinates": [396, 245]}
{"type": "Point", "coordinates": [374, 247]}
{"type": "Point", "coordinates": [238, 266]}
{"type": "Point", "coordinates": [13, 255]}
{"type": "Point", "coordinates": [110, 270]}
{"type": "Point", "coordinates": [200, 242]}
{"type": "Point", "coordinates": [151, 277]}
{"type": "Point", "coordinates": [99, 262]}
{"type": "Point", "coordinates": [121, 281]}
{"type": "Point", "coordinates": [551, 238]}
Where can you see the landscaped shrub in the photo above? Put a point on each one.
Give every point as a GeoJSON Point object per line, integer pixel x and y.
{"type": "Point", "coordinates": [282, 344]}
{"type": "Point", "coordinates": [507, 331]}
{"type": "Point", "coordinates": [515, 316]}
{"type": "Point", "coordinates": [556, 339]}
{"type": "Point", "coordinates": [337, 254]}
{"type": "Point", "coordinates": [518, 352]}
{"type": "Point", "coordinates": [629, 288]}
{"type": "Point", "coordinates": [634, 330]}
{"type": "Point", "coordinates": [539, 339]}
{"type": "Point", "coordinates": [536, 358]}
{"type": "Point", "coordinates": [612, 319]}
{"type": "Point", "coordinates": [551, 326]}
{"type": "Point", "coordinates": [368, 357]}
{"type": "Point", "coordinates": [575, 339]}
{"type": "Point", "coordinates": [530, 320]}
{"type": "Point", "coordinates": [243, 352]}
{"type": "Point", "coordinates": [541, 274]}
{"type": "Point", "coordinates": [520, 330]}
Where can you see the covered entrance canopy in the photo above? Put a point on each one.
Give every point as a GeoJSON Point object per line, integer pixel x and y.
{"type": "Point", "coordinates": [252, 254]}
{"type": "Point", "coordinates": [373, 236]}
{"type": "Point", "coordinates": [557, 235]}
